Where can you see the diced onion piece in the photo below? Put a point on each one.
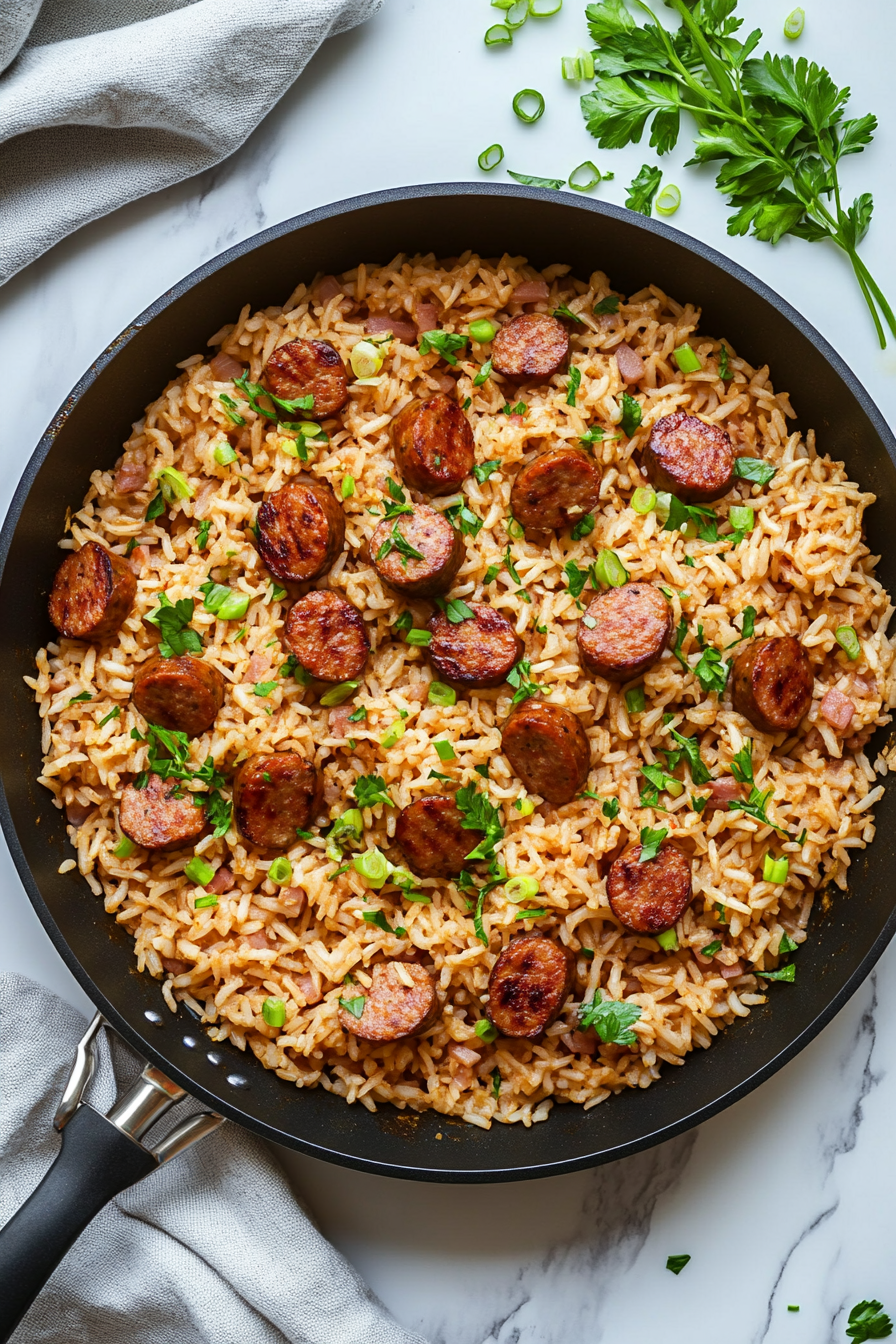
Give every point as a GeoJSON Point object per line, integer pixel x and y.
{"type": "Point", "coordinates": [366, 359]}
{"type": "Point", "coordinates": [775, 870]}
{"type": "Point", "coordinates": [644, 500]}
{"type": "Point", "coordinates": [610, 570]}
{"type": "Point", "coordinates": [687, 359]}
{"type": "Point", "coordinates": [274, 1012]}
{"type": "Point", "coordinates": [848, 640]}
{"type": "Point", "coordinates": [497, 36]}
{"type": "Point", "coordinates": [668, 941]}
{"type": "Point", "coordinates": [521, 889]}
{"type": "Point", "coordinates": [794, 23]}
{"type": "Point", "coordinates": [668, 200]}
{"type": "Point", "coordinates": [280, 871]}
{"type": "Point", "coordinates": [339, 693]}
{"type": "Point", "coordinates": [535, 108]}
{"type": "Point", "coordinates": [373, 866]}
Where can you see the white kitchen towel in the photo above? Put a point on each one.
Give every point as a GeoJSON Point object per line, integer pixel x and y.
{"type": "Point", "coordinates": [210, 1249]}
{"type": "Point", "coordinates": [103, 101]}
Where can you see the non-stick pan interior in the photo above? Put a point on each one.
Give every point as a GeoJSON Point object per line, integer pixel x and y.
{"type": "Point", "coordinates": [88, 432]}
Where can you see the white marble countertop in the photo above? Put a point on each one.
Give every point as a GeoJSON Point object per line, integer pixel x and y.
{"type": "Point", "coordinates": [786, 1198]}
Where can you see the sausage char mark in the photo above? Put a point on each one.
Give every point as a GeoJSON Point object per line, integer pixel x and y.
{"type": "Point", "coordinates": [477, 653]}
{"type": "Point", "coordinates": [689, 458]}
{"type": "Point", "coordinates": [548, 750]}
{"type": "Point", "coordinates": [430, 533]}
{"type": "Point", "coordinates": [328, 636]}
{"type": "Point", "coordinates": [275, 795]}
{"type": "Point", "coordinates": [772, 683]}
{"type": "Point", "coordinates": [300, 530]}
{"type": "Point", "coordinates": [432, 839]}
{"type": "Point", "coordinates": [650, 897]}
{"type": "Point", "coordinates": [432, 443]}
{"type": "Point", "coordinates": [181, 693]}
{"type": "Point", "coordinates": [624, 631]}
{"type": "Point", "coordinates": [160, 816]}
{"type": "Point", "coordinates": [556, 489]}
{"type": "Point", "coordinates": [529, 984]}
{"type": "Point", "coordinates": [92, 593]}
{"type": "Point", "coordinates": [305, 368]}
{"type": "Point", "coordinates": [530, 348]}
{"type": "Point", "coordinates": [394, 1010]}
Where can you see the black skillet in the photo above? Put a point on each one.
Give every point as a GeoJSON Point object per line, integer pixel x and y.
{"type": "Point", "coordinates": [87, 433]}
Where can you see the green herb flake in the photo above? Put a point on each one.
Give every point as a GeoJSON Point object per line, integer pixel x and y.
{"type": "Point", "coordinates": [868, 1320]}
{"type": "Point", "coordinates": [370, 790]}
{"type": "Point", "coordinates": [651, 842]}
{"type": "Point", "coordinates": [676, 1263]}
{"type": "Point", "coordinates": [611, 1019]}
{"type": "Point", "coordinates": [483, 470]}
{"type": "Point", "coordinates": [643, 187]}
{"type": "Point", "coordinates": [444, 343]}
{"type": "Point", "coordinates": [631, 415]}
{"type": "Point", "coordinates": [608, 305]}
{"type": "Point", "coordinates": [354, 1006]}
{"type": "Point", "coordinates": [572, 387]}
{"type": "Point", "coordinates": [754, 469]}
{"type": "Point", "coordinates": [173, 620]}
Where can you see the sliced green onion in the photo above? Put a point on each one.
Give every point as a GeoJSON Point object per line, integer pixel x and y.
{"type": "Point", "coordinates": [592, 176]}
{"type": "Point", "coordinates": [124, 849]}
{"type": "Point", "coordinates": [310, 429]}
{"type": "Point", "coordinates": [440, 694]}
{"type": "Point", "coordinates": [517, 14]}
{"type": "Point", "coordinates": [610, 569]}
{"type": "Point", "coordinates": [634, 700]}
{"type": "Point", "coordinates": [687, 359]}
{"type": "Point", "coordinates": [280, 871]}
{"type": "Point", "coordinates": [848, 640]}
{"type": "Point", "coordinates": [274, 1012]}
{"type": "Point", "coordinates": [775, 870]}
{"type": "Point", "coordinates": [348, 487]}
{"type": "Point", "coordinates": [534, 112]}
{"type": "Point", "coordinates": [338, 694]}
{"type": "Point", "coordinates": [198, 871]}
{"type": "Point", "coordinates": [174, 485]}
{"type": "Point", "coordinates": [663, 506]}
{"type": "Point", "coordinates": [491, 157]}
{"type": "Point", "coordinates": [444, 750]}
{"type": "Point", "coordinates": [224, 454]}
{"type": "Point", "coordinates": [393, 734]}
{"type": "Point", "coordinates": [366, 359]}
{"type": "Point", "coordinates": [515, 530]}
{"type": "Point", "coordinates": [204, 902]}
{"type": "Point", "coordinates": [498, 36]}
{"type": "Point", "coordinates": [482, 331]}
{"type": "Point", "coordinates": [524, 806]}
{"type": "Point", "coordinates": [644, 500]}
{"type": "Point", "coordinates": [668, 200]}
{"type": "Point", "coordinates": [521, 889]}
{"type": "Point", "coordinates": [485, 1030]}
{"type": "Point", "coordinates": [580, 66]}
{"type": "Point", "coordinates": [793, 27]}
{"type": "Point", "coordinates": [543, 9]}
{"type": "Point", "coordinates": [530, 914]}
{"type": "Point", "coordinates": [742, 518]}
{"type": "Point", "coordinates": [668, 941]}
{"type": "Point", "coordinates": [234, 607]}
{"type": "Point", "coordinates": [373, 867]}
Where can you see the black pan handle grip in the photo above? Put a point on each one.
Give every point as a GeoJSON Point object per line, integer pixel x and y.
{"type": "Point", "coordinates": [96, 1162]}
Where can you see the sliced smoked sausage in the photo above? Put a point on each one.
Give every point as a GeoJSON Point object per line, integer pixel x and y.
{"type": "Point", "coordinates": [275, 794]}
{"type": "Point", "coordinates": [476, 653]}
{"type": "Point", "coordinates": [530, 347]}
{"type": "Point", "coordinates": [692, 460]}
{"type": "Point", "coordinates": [392, 1009]}
{"type": "Point", "coordinates": [300, 530]}
{"type": "Point", "coordinates": [440, 547]}
{"type": "Point", "coordinates": [183, 693]}
{"type": "Point", "coordinates": [529, 985]}
{"type": "Point", "coordinates": [649, 897]}
{"type": "Point", "coordinates": [328, 636]}
{"type": "Point", "coordinates": [624, 631]}
{"type": "Point", "coordinates": [771, 683]}
{"type": "Point", "coordinates": [308, 368]}
{"type": "Point", "coordinates": [92, 593]}
{"type": "Point", "coordinates": [432, 444]}
{"type": "Point", "coordinates": [556, 489]}
{"type": "Point", "coordinates": [547, 749]}
{"type": "Point", "coordinates": [431, 837]}
{"type": "Point", "coordinates": [162, 815]}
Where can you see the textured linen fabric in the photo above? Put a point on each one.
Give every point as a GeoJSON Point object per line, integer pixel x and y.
{"type": "Point", "coordinates": [103, 101]}
{"type": "Point", "coordinates": [210, 1249]}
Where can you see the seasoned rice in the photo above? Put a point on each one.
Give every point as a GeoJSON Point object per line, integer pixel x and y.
{"type": "Point", "coordinates": [805, 568]}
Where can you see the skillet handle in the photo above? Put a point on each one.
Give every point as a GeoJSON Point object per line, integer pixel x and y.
{"type": "Point", "coordinates": [96, 1162]}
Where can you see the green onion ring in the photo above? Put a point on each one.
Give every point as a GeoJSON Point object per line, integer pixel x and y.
{"type": "Point", "coordinates": [794, 23]}
{"type": "Point", "coordinates": [668, 200]}
{"type": "Point", "coordinates": [499, 35]}
{"type": "Point", "coordinates": [490, 158]}
{"type": "Point", "coordinates": [528, 117]}
{"type": "Point", "coordinates": [593, 179]}
{"type": "Point", "coordinates": [543, 9]}
{"type": "Point", "coordinates": [517, 14]}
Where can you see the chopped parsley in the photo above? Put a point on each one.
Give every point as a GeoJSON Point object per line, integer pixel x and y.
{"type": "Point", "coordinates": [82, 695]}
{"type": "Point", "coordinates": [483, 470]}
{"type": "Point", "coordinates": [456, 610]}
{"type": "Point", "coordinates": [712, 671]}
{"type": "Point", "coordinates": [519, 409]}
{"type": "Point", "coordinates": [631, 415]}
{"type": "Point", "coordinates": [650, 843]}
{"type": "Point", "coordinates": [679, 640]}
{"type": "Point", "coordinates": [378, 918]}
{"type": "Point", "coordinates": [786, 973]}
{"type": "Point", "coordinates": [444, 343]}
{"type": "Point", "coordinates": [478, 813]}
{"type": "Point", "coordinates": [155, 507]}
{"type": "Point", "coordinates": [353, 1006]}
{"type": "Point", "coordinates": [174, 623]}
{"type": "Point", "coordinates": [608, 305]}
{"type": "Point", "coordinates": [584, 527]}
{"type": "Point", "coordinates": [690, 750]}
{"type": "Point", "coordinates": [754, 469]}
{"type": "Point", "coordinates": [113, 714]}
{"type": "Point", "coordinates": [252, 392]}
{"type": "Point", "coordinates": [645, 184]}
{"type": "Point", "coordinates": [564, 311]}
{"type": "Point", "coordinates": [572, 387]}
{"type": "Point", "coordinates": [496, 1083]}
{"type": "Point", "coordinates": [868, 1320]}
{"type": "Point", "coordinates": [370, 790]}
{"type": "Point", "coordinates": [676, 1263]}
{"type": "Point", "coordinates": [611, 1019]}
{"type": "Point", "coordinates": [263, 688]}
{"type": "Point", "coordinates": [484, 374]}
{"type": "Point", "coordinates": [724, 366]}
{"type": "Point", "coordinates": [610, 808]}
{"type": "Point", "coordinates": [359, 715]}
{"type": "Point", "coordinates": [711, 948]}
{"type": "Point", "coordinates": [518, 677]}
{"type": "Point", "coordinates": [742, 770]}
{"type": "Point", "coordinates": [462, 517]}
{"type": "Point", "coordinates": [396, 541]}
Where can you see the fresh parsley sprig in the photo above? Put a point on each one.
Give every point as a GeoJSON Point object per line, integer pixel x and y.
{"type": "Point", "coordinates": [524, 687]}
{"type": "Point", "coordinates": [611, 1020]}
{"type": "Point", "coordinates": [775, 124]}
{"type": "Point", "coordinates": [756, 804]}
{"type": "Point", "coordinates": [173, 620]}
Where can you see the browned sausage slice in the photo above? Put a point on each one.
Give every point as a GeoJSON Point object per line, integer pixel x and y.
{"type": "Point", "coordinates": [183, 693]}
{"type": "Point", "coordinates": [624, 631]}
{"type": "Point", "coordinates": [532, 346]}
{"type": "Point", "coordinates": [478, 652]}
{"type": "Point", "coordinates": [301, 530]}
{"type": "Point", "coordinates": [555, 490]}
{"type": "Point", "coordinates": [160, 816]}
{"type": "Point", "coordinates": [328, 636]}
{"type": "Point", "coordinates": [427, 531]}
{"type": "Point", "coordinates": [275, 795]}
{"type": "Point", "coordinates": [432, 443]}
{"type": "Point", "coordinates": [692, 460]}
{"type": "Point", "coordinates": [432, 839]}
{"type": "Point", "coordinates": [529, 985]}
{"type": "Point", "coordinates": [649, 897]}
{"type": "Point", "coordinates": [772, 682]}
{"type": "Point", "coordinates": [92, 593]}
{"type": "Point", "coordinates": [308, 368]}
{"type": "Point", "coordinates": [393, 1009]}
{"type": "Point", "coordinates": [547, 749]}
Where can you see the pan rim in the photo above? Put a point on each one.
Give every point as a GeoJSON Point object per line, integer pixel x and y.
{"type": "Point", "coordinates": [143, 1043]}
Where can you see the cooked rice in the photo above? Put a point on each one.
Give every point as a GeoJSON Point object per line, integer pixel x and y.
{"type": "Point", "coordinates": [805, 568]}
